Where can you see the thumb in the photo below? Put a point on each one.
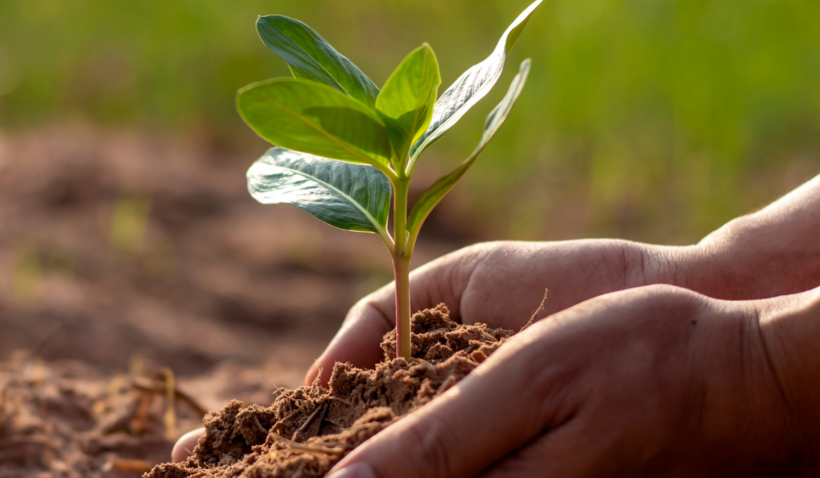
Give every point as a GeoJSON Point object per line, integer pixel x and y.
{"type": "Point", "coordinates": [357, 342]}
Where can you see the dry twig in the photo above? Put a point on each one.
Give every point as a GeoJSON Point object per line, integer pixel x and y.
{"type": "Point", "coordinates": [301, 447]}
{"type": "Point", "coordinates": [142, 412]}
{"type": "Point", "coordinates": [122, 464]}
{"type": "Point", "coordinates": [321, 408]}
{"type": "Point", "coordinates": [170, 408]}
{"type": "Point", "coordinates": [141, 385]}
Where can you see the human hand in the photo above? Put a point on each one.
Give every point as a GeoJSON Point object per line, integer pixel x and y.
{"type": "Point", "coordinates": [656, 381]}
{"type": "Point", "coordinates": [769, 253]}
{"type": "Point", "coordinates": [502, 283]}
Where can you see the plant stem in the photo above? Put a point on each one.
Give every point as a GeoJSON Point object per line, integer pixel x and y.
{"type": "Point", "coordinates": [401, 267]}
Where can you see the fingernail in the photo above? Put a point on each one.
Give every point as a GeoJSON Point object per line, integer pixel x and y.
{"type": "Point", "coordinates": [356, 470]}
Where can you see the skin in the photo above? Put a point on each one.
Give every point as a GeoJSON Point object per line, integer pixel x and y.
{"type": "Point", "coordinates": [655, 381]}
{"type": "Point", "coordinates": [718, 381]}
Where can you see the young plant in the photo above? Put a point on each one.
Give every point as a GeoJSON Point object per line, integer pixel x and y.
{"type": "Point", "coordinates": [344, 146]}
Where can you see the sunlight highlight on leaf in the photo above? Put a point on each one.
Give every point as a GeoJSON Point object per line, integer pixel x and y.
{"type": "Point", "coordinates": [471, 87]}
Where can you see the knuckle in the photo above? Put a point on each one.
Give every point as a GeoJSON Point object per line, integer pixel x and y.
{"type": "Point", "coordinates": [671, 300]}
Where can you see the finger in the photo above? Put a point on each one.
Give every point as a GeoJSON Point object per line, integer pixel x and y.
{"type": "Point", "coordinates": [596, 444]}
{"type": "Point", "coordinates": [185, 445]}
{"type": "Point", "coordinates": [563, 453]}
{"type": "Point", "coordinates": [471, 425]}
{"type": "Point", "coordinates": [357, 342]}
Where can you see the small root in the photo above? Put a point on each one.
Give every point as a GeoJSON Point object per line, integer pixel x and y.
{"type": "Point", "coordinates": [341, 400]}
{"type": "Point", "coordinates": [307, 448]}
{"type": "Point", "coordinates": [446, 384]}
{"type": "Point", "coordinates": [259, 425]}
{"type": "Point", "coordinates": [321, 408]}
{"type": "Point", "coordinates": [281, 422]}
{"type": "Point", "coordinates": [336, 444]}
{"type": "Point", "coordinates": [538, 311]}
{"type": "Point", "coordinates": [299, 447]}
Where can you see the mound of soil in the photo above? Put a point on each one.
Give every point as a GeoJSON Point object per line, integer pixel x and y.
{"type": "Point", "coordinates": [308, 430]}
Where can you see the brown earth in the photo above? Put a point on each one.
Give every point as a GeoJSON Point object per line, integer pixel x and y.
{"type": "Point", "coordinates": [309, 429]}
{"type": "Point", "coordinates": [67, 419]}
{"type": "Point", "coordinates": [120, 248]}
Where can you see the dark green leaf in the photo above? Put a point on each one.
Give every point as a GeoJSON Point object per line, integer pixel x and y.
{"type": "Point", "coordinates": [406, 102]}
{"type": "Point", "coordinates": [313, 118]}
{"type": "Point", "coordinates": [471, 87]}
{"type": "Point", "coordinates": [311, 57]}
{"type": "Point", "coordinates": [436, 192]}
{"type": "Point", "coordinates": [348, 196]}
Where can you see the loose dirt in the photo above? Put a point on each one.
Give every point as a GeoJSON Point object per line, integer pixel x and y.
{"type": "Point", "coordinates": [121, 246]}
{"type": "Point", "coordinates": [307, 430]}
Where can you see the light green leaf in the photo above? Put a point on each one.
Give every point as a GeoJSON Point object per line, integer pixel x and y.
{"type": "Point", "coordinates": [313, 118]}
{"type": "Point", "coordinates": [425, 204]}
{"type": "Point", "coordinates": [471, 87]}
{"type": "Point", "coordinates": [406, 102]}
{"type": "Point", "coordinates": [348, 196]}
{"type": "Point", "coordinates": [311, 57]}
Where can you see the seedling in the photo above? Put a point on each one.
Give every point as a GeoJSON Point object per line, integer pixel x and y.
{"type": "Point", "coordinates": [343, 146]}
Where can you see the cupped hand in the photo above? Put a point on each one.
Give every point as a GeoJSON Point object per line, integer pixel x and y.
{"type": "Point", "coordinates": [502, 284]}
{"type": "Point", "coordinates": [655, 381]}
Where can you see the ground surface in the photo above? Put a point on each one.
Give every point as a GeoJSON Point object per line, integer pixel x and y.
{"type": "Point", "coordinates": [123, 254]}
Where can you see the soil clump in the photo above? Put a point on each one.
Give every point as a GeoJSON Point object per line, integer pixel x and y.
{"type": "Point", "coordinates": [308, 430]}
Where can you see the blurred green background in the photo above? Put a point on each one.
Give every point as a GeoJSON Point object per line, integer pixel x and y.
{"type": "Point", "coordinates": [655, 120]}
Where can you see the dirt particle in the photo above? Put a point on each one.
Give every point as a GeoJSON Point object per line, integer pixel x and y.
{"type": "Point", "coordinates": [307, 430]}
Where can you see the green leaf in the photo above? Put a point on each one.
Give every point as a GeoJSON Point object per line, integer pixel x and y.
{"type": "Point", "coordinates": [425, 204]}
{"type": "Point", "coordinates": [311, 57]}
{"type": "Point", "coordinates": [406, 102]}
{"type": "Point", "coordinates": [313, 118]}
{"type": "Point", "coordinates": [348, 196]}
{"type": "Point", "coordinates": [471, 87]}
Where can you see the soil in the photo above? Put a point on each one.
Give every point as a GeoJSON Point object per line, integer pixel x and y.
{"type": "Point", "coordinates": [124, 253]}
{"type": "Point", "coordinates": [307, 430]}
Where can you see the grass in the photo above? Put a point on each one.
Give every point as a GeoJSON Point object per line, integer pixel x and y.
{"type": "Point", "coordinates": [654, 120]}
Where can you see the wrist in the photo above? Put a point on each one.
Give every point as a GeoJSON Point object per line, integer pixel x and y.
{"type": "Point", "coordinates": [751, 258]}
